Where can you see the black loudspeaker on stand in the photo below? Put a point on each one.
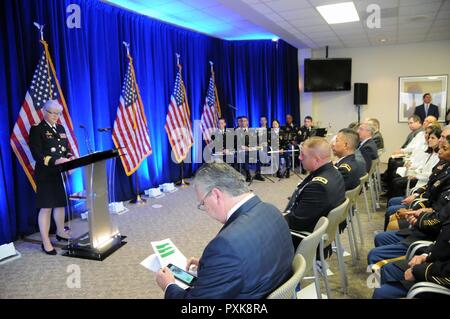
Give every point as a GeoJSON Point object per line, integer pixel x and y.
{"type": "Point", "coordinates": [360, 96]}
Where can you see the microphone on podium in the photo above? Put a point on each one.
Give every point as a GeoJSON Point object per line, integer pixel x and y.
{"type": "Point", "coordinates": [104, 129]}
{"type": "Point", "coordinates": [86, 139]}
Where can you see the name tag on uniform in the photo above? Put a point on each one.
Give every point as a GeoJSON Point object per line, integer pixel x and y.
{"type": "Point", "coordinates": [63, 135]}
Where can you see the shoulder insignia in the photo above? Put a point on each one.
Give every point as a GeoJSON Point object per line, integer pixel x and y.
{"type": "Point", "coordinates": [346, 166]}
{"type": "Point", "coordinates": [437, 183]}
{"type": "Point", "coordinates": [320, 179]}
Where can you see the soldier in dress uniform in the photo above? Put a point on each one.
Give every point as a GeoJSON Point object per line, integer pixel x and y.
{"type": "Point", "coordinates": [344, 148]}
{"type": "Point", "coordinates": [291, 131]}
{"type": "Point", "coordinates": [321, 191]}
{"type": "Point", "coordinates": [49, 146]}
{"type": "Point", "coordinates": [307, 130]}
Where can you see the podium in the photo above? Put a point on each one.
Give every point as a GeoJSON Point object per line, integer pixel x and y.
{"type": "Point", "coordinates": [89, 186]}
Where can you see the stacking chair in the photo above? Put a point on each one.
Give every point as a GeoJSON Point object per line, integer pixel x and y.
{"type": "Point", "coordinates": [428, 288]}
{"type": "Point", "coordinates": [308, 248]}
{"type": "Point", "coordinates": [335, 217]}
{"type": "Point", "coordinates": [287, 290]}
{"type": "Point", "coordinates": [364, 180]}
{"type": "Point", "coordinates": [424, 287]}
{"type": "Point", "coordinates": [352, 195]}
{"type": "Point", "coordinates": [374, 194]}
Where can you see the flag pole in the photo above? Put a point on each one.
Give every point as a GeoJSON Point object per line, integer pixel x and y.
{"type": "Point", "coordinates": [182, 182]}
{"type": "Point", "coordinates": [138, 199]}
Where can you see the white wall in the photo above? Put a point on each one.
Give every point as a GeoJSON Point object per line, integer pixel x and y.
{"type": "Point", "coordinates": [380, 67]}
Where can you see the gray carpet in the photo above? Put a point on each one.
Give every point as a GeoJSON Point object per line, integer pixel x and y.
{"type": "Point", "coordinates": [36, 275]}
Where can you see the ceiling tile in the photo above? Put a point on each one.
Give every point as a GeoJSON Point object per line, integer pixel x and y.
{"type": "Point", "coordinates": [404, 3]}
{"type": "Point", "coordinates": [363, 4]}
{"type": "Point", "coordinates": [306, 13]}
{"type": "Point", "coordinates": [288, 5]}
{"type": "Point", "coordinates": [428, 9]}
{"type": "Point", "coordinates": [444, 14]}
{"type": "Point", "coordinates": [200, 4]}
{"type": "Point", "coordinates": [262, 8]}
{"type": "Point", "coordinates": [274, 17]}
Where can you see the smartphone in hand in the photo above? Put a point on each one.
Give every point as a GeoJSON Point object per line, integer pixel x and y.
{"type": "Point", "coordinates": [182, 275]}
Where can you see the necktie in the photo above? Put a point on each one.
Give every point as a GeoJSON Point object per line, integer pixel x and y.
{"type": "Point", "coordinates": [426, 109]}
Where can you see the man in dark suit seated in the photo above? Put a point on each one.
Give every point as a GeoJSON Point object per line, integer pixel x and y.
{"type": "Point", "coordinates": [427, 108]}
{"type": "Point", "coordinates": [321, 191]}
{"type": "Point", "coordinates": [344, 148]}
{"type": "Point", "coordinates": [250, 256]}
{"type": "Point", "coordinates": [367, 146]}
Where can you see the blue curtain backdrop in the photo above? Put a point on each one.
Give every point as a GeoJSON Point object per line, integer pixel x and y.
{"type": "Point", "coordinates": [256, 77]}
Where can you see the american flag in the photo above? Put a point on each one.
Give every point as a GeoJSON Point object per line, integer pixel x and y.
{"type": "Point", "coordinates": [130, 133]}
{"type": "Point", "coordinates": [44, 86]}
{"type": "Point", "coordinates": [178, 124]}
{"type": "Point", "coordinates": [211, 111]}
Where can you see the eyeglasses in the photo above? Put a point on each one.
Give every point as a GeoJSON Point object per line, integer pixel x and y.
{"type": "Point", "coordinates": [201, 205]}
{"type": "Point", "coordinates": [53, 113]}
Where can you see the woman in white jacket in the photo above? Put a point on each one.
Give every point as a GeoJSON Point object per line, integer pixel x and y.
{"type": "Point", "coordinates": [418, 172]}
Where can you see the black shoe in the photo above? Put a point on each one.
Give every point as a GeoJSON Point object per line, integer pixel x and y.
{"type": "Point", "coordinates": [51, 252]}
{"type": "Point", "coordinates": [279, 175]}
{"type": "Point", "coordinates": [59, 238]}
{"type": "Point", "coordinates": [258, 177]}
{"type": "Point", "coordinates": [288, 173]}
{"type": "Point", "coordinates": [248, 179]}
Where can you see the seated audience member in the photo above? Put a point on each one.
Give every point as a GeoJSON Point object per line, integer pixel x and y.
{"type": "Point", "coordinates": [413, 140]}
{"type": "Point", "coordinates": [367, 146]}
{"type": "Point", "coordinates": [278, 141]}
{"type": "Point", "coordinates": [433, 198]}
{"type": "Point", "coordinates": [418, 170]}
{"type": "Point", "coordinates": [250, 256]}
{"type": "Point", "coordinates": [290, 130]}
{"type": "Point", "coordinates": [438, 172]}
{"type": "Point", "coordinates": [377, 137]}
{"type": "Point", "coordinates": [433, 265]}
{"type": "Point", "coordinates": [344, 149]}
{"type": "Point", "coordinates": [321, 191]}
{"type": "Point", "coordinates": [427, 108]}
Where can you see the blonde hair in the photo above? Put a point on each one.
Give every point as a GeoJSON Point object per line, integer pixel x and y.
{"type": "Point", "coordinates": [319, 145]}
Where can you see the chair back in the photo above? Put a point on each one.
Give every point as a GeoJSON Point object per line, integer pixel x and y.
{"type": "Point", "coordinates": [334, 219]}
{"type": "Point", "coordinates": [364, 178]}
{"type": "Point", "coordinates": [352, 194]}
{"type": "Point", "coordinates": [287, 290]}
{"type": "Point", "coordinates": [373, 167]}
{"type": "Point", "coordinates": [308, 246]}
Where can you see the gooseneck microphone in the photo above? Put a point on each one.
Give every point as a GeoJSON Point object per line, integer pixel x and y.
{"type": "Point", "coordinates": [86, 139]}
{"type": "Point", "coordinates": [104, 129]}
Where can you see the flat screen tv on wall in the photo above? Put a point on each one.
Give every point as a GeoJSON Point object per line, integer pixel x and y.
{"type": "Point", "coordinates": [328, 75]}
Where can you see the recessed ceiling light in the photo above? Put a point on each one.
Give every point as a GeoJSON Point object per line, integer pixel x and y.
{"type": "Point", "coordinates": [339, 12]}
{"type": "Point", "coordinates": [383, 40]}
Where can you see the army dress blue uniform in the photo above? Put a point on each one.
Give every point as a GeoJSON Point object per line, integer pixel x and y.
{"type": "Point", "coordinates": [47, 144]}
{"type": "Point", "coordinates": [319, 193]}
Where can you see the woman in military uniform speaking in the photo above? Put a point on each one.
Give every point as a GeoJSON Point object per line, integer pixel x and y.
{"type": "Point", "coordinates": [49, 146]}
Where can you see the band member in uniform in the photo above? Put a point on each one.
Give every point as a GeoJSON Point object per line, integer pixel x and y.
{"type": "Point", "coordinates": [307, 130]}
{"type": "Point", "coordinates": [49, 146]}
{"type": "Point", "coordinates": [276, 134]}
{"type": "Point", "coordinates": [321, 191]}
{"type": "Point", "coordinates": [291, 132]}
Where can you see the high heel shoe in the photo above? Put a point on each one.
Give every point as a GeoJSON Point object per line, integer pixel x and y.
{"type": "Point", "coordinates": [51, 252]}
{"type": "Point", "coordinates": [59, 238]}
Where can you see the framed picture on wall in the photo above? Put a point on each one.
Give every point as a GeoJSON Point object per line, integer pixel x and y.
{"type": "Point", "coordinates": [412, 89]}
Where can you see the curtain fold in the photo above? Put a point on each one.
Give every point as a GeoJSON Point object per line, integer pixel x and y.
{"type": "Point", "coordinates": [256, 77]}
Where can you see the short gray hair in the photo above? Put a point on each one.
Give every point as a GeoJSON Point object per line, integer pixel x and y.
{"type": "Point", "coordinates": [221, 176]}
{"type": "Point", "coordinates": [52, 104]}
{"type": "Point", "coordinates": [369, 127]}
